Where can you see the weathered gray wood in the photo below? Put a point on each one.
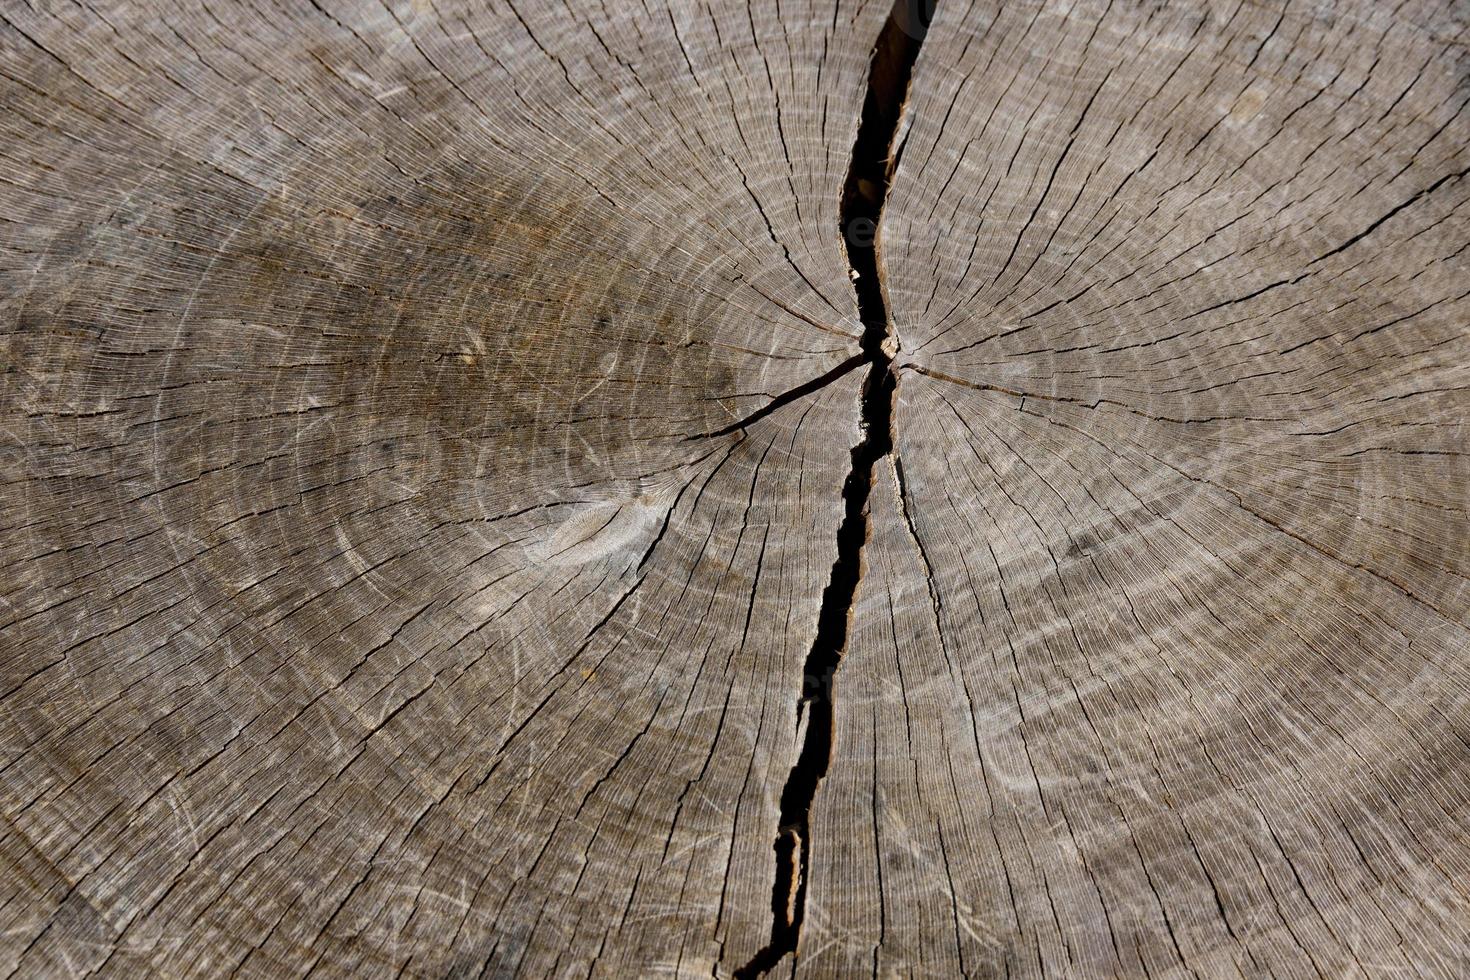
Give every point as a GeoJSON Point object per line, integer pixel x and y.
{"type": "Point", "coordinates": [440, 437]}
{"type": "Point", "coordinates": [1160, 665]}
{"type": "Point", "coordinates": [367, 606]}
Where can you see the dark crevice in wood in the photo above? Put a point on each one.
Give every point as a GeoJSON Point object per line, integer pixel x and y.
{"type": "Point", "coordinates": [862, 203]}
{"type": "Point", "coordinates": [785, 398]}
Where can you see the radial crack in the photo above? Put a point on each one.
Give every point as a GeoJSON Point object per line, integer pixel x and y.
{"type": "Point", "coordinates": [863, 196]}
{"type": "Point", "coordinates": [785, 398]}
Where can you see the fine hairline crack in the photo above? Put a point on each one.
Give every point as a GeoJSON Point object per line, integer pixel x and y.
{"type": "Point", "coordinates": [863, 196]}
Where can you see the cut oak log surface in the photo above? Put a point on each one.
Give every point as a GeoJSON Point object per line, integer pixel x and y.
{"type": "Point", "coordinates": [614, 488]}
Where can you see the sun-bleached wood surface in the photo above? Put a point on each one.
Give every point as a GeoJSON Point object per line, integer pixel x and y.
{"type": "Point", "coordinates": [477, 502]}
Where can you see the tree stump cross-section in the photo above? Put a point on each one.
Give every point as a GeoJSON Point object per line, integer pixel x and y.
{"type": "Point", "coordinates": [706, 488]}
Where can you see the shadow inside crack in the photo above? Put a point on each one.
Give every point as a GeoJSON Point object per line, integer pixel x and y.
{"type": "Point", "coordinates": [863, 196]}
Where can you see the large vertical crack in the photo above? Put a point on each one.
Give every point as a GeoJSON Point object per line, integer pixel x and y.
{"type": "Point", "coordinates": [863, 197]}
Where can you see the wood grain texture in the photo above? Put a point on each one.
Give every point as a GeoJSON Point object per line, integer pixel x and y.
{"type": "Point", "coordinates": [478, 502]}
